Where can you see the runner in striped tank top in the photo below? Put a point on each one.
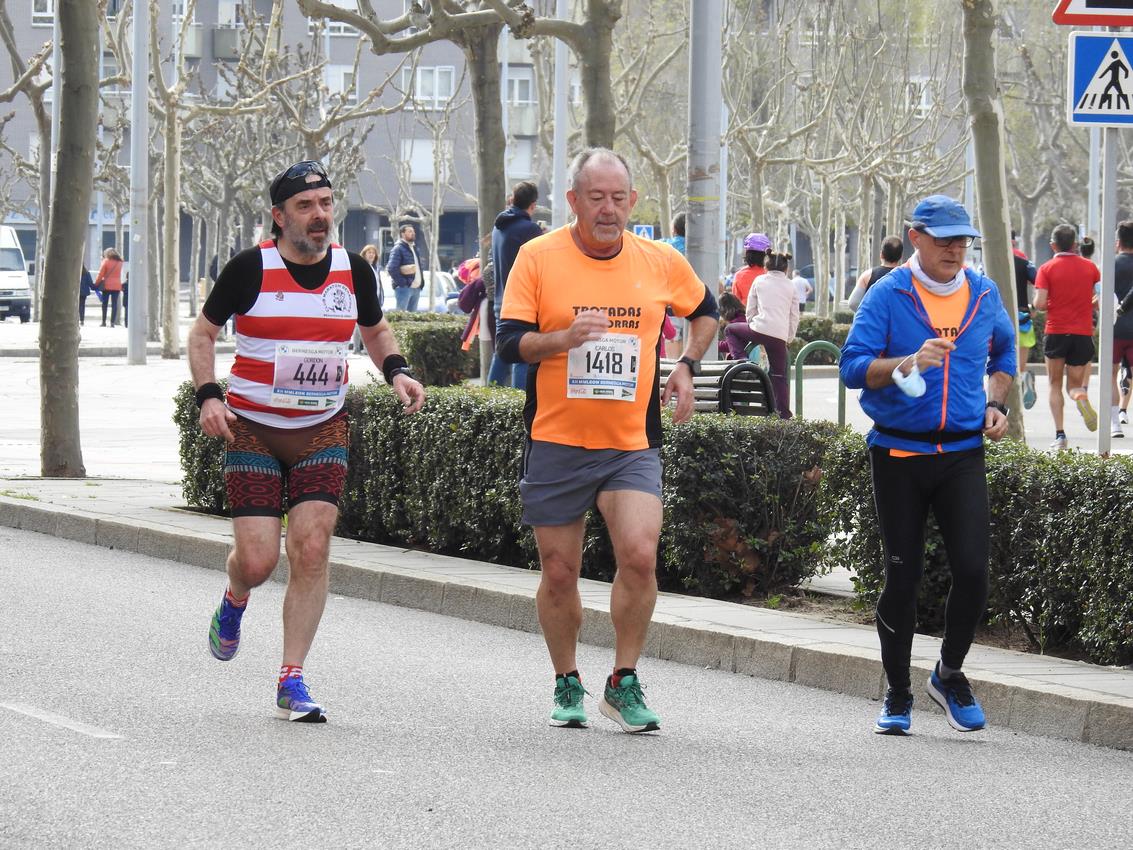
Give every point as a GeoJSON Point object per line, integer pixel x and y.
{"type": "Point", "coordinates": [296, 298]}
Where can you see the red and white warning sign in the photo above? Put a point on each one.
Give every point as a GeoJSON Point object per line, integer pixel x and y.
{"type": "Point", "coordinates": [1098, 13]}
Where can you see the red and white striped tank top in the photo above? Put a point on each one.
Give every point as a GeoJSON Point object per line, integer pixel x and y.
{"type": "Point", "coordinates": [303, 332]}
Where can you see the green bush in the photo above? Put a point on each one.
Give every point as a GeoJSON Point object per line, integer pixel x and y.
{"type": "Point", "coordinates": [431, 344]}
{"type": "Point", "coordinates": [813, 328]}
{"type": "Point", "coordinates": [740, 494]}
{"type": "Point", "coordinates": [1059, 566]}
{"type": "Point", "coordinates": [202, 458]}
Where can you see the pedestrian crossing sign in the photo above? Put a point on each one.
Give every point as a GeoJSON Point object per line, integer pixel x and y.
{"type": "Point", "coordinates": [643, 230]}
{"type": "Point", "coordinates": [1100, 80]}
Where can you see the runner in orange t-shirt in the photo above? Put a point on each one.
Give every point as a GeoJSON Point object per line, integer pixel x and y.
{"type": "Point", "coordinates": [584, 306]}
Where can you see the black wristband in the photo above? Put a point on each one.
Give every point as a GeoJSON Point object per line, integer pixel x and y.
{"type": "Point", "coordinates": [207, 391]}
{"type": "Point", "coordinates": [392, 363]}
{"type": "Point", "coordinates": [1002, 408]}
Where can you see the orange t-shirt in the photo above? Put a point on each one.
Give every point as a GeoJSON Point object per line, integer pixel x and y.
{"type": "Point", "coordinates": [945, 314]}
{"type": "Point", "coordinates": [550, 283]}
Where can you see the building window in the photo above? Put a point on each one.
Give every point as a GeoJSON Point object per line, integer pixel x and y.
{"type": "Point", "coordinates": [42, 13]}
{"type": "Point", "coordinates": [336, 27]}
{"type": "Point", "coordinates": [113, 7]}
{"type": "Point", "coordinates": [521, 158]}
{"type": "Point", "coordinates": [340, 80]}
{"type": "Point", "coordinates": [520, 86]}
{"type": "Point", "coordinates": [418, 155]}
{"type": "Point", "coordinates": [919, 96]}
{"type": "Point", "coordinates": [109, 70]}
{"type": "Point", "coordinates": [433, 88]}
{"type": "Point", "coordinates": [177, 12]}
{"type": "Point", "coordinates": [230, 13]}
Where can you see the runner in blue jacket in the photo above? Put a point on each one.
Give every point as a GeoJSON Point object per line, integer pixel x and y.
{"type": "Point", "coordinates": [920, 346]}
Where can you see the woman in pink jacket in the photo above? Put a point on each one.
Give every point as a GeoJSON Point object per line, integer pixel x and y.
{"type": "Point", "coordinates": [109, 280]}
{"type": "Point", "coordinates": [772, 319]}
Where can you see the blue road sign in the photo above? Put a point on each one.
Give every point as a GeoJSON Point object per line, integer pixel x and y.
{"type": "Point", "coordinates": [643, 230]}
{"type": "Point", "coordinates": [1100, 80]}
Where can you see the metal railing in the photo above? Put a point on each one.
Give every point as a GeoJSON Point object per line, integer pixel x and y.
{"type": "Point", "coordinates": [800, 359]}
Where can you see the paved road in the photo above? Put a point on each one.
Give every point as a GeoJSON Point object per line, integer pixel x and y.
{"type": "Point", "coordinates": [437, 739]}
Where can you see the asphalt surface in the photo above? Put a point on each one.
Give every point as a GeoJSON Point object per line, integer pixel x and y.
{"type": "Point", "coordinates": [438, 738]}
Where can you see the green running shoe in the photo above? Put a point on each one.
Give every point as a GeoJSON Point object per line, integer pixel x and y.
{"type": "Point", "coordinates": [625, 705]}
{"type": "Point", "coordinates": [568, 703]}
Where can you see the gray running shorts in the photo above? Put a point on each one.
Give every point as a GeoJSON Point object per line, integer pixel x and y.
{"type": "Point", "coordinates": [561, 483]}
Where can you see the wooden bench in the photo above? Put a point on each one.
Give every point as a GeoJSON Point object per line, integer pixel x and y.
{"type": "Point", "coordinates": [728, 386]}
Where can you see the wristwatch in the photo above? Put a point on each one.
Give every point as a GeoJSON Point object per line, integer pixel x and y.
{"type": "Point", "coordinates": [1002, 408]}
{"type": "Point", "coordinates": [693, 365]}
{"type": "Point", "coordinates": [401, 370]}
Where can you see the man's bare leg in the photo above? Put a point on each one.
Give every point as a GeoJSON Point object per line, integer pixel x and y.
{"type": "Point", "coordinates": [557, 600]}
{"type": "Point", "coordinates": [309, 529]}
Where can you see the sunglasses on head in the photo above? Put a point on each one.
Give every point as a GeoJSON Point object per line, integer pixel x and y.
{"type": "Point", "coordinates": [298, 171]}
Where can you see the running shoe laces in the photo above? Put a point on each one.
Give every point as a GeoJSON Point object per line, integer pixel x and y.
{"type": "Point", "coordinates": [295, 688]}
{"type": "Point", "coordinates": [898, 702]}
{"type": "Point", "coordinates": [569, 692]}
{"type": "Point", "coordinates": [631, 695]}
{"type": "Point", "coordinates": [959, 689]}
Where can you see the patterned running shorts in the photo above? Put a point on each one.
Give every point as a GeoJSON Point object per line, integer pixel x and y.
{"type": "Point", "coordinates": [311, 461]}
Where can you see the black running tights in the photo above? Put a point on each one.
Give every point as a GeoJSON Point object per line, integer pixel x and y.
{"type": "Point", "coordinates": [954, 486]}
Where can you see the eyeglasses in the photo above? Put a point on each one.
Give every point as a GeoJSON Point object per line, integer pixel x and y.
{"type": "Point", "coordinates": [299, 170]}
{"type": "Point", "coordinates": [948, 241]}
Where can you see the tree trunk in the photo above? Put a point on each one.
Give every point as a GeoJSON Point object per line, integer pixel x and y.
{"type": "Point", "coordinates": [171, 231]}
{"type": "Point", "coordinates": [894, 219]}
{"type": "Point", "coordinates": [986, 112]}
{"type": "Point", "coordinates": [61, 453]}
{"type": "Point", "coordinates": [43, 127]}
{"type": "Point", "coordinates": [822, 253]}
{"type": "Point", "coordinates": [594, 54]}
{"type": "Point", "coordinates": [481, 55]}
{"type": "Point", "coordinates": [757, 213]}
{"type": "Point", "coordinates": [866, 251]}
{"type": "Point", "coordinates": [664, 199]}
{"type": "Point", "coordinates": [194, 265]}
{"type": "Point", "coordinates": [153, 331]}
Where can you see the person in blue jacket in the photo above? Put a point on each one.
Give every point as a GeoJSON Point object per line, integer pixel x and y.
{"type": "Point", "coordinates": [512, 229]}
{"type": "Point", "coordinates": [921, 343]}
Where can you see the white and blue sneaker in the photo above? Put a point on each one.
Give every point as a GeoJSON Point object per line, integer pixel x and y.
{"type": "Point", "coordinates": [896, 713]}
{"type": "Point", "coordinates": [1029, 394]}
{"type": "Point", "coordinates": [293, 702]}
{"type": "Point", "coordinates": [954, 695]}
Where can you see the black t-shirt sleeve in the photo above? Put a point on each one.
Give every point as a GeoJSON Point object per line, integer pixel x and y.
{"type": "Point", "coordinates": [365, 290]}
{"type": "Point", "coordinates": [237, 287]}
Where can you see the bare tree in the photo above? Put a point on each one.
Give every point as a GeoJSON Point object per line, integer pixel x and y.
{"type": "Point", "coordinates": [981, 91]}
{"type": "Point", "coordinates": [60, 449]}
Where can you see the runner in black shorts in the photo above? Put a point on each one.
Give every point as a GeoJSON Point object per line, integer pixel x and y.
{"type": "Point", "coordinates": [296, 299]}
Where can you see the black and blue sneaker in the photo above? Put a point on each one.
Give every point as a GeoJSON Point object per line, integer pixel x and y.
{"type": "Point", "coordinates": [954, 695]}
{"type": "Point", "coordinates": [293, 702]}
{"type": "Point", "coordinates": [896, 713]}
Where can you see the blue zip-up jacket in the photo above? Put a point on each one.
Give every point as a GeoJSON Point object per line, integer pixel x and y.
{"type": "Point", "coordinates": [892, 322]}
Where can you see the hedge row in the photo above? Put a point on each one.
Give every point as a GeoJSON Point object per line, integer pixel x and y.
{"type": "Point", "coordinates": [431, 342]}
{"type": "Point", "coordinates": [752, 505]}
{"type": "Point", "coordinates": [1060, 562]}
{"type": "Point", "coordinates": [740, 494]}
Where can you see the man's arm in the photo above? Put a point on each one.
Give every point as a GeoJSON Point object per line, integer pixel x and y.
{"type": "Point", "coordinates": [380, 343]}
{"type": "Point", "coordinates": [995, 422]}
{"type": "Point", "coordinates": [202, 366]}
{"type": "Point", "coordinates": [1040, 299]}
{"type": "Point", "coordinates": [701, 331]}
{"type": "Point", "coordinates": [534, 346]}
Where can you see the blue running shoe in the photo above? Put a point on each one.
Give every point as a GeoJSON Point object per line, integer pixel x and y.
{"type": "Point", "coordinates": [224, 630]}
{"type": "Point", "coordinates": [954, 695]}
{"type": "Point", "coordinates": [293, 702]}
{"type": "Point", "coordinates": [896, 713]}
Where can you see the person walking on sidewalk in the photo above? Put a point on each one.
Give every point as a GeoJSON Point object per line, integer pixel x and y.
{"type": "Point", "coordinates": [512, 229]}
{"type": "Point", "coordinates": [109, 283]}
{"type": "Point", "coordinates": [1122, 325]}
{"type": "Point", "coordinates": [922, 340]}
{"type": "Point", "coordinates": [584, 306]}
{"type": "Point", "coordinates": [892, 250]}
{"type": "Point", "coordinates": [1025, 273]}
{"type": "Point", "coordinates": [296, 298]}
{"type": "Point", "coordinates": [1064, 287]}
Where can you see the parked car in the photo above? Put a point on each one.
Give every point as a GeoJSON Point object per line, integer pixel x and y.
{"type": "Point", "coordinates": [15, 288]}
{"type": "Point", "coordinates": [445, 290]}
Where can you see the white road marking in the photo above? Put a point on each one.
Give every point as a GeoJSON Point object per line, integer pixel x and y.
{"type": "Point", "coordinates": [58, 720]}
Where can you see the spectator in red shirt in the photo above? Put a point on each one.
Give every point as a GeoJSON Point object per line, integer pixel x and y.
{"type": "Point", "coordinates": [1064, 288]}
{"type": "Point", "coordinates": [756, 246]}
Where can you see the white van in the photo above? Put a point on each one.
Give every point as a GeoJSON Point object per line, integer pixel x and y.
{"type": "Point", "coordinates": [15, 293]}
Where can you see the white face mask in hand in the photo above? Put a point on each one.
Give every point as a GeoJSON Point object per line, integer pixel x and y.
{"type": "Point", "coordinates": [913, 384]}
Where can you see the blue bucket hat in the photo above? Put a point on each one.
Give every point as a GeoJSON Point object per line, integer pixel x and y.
{"type": "Point", "coordinates": [940, 215]}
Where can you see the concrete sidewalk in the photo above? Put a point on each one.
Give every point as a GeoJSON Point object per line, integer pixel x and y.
{"type": "Point", "coordinates": [1029, 693]}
